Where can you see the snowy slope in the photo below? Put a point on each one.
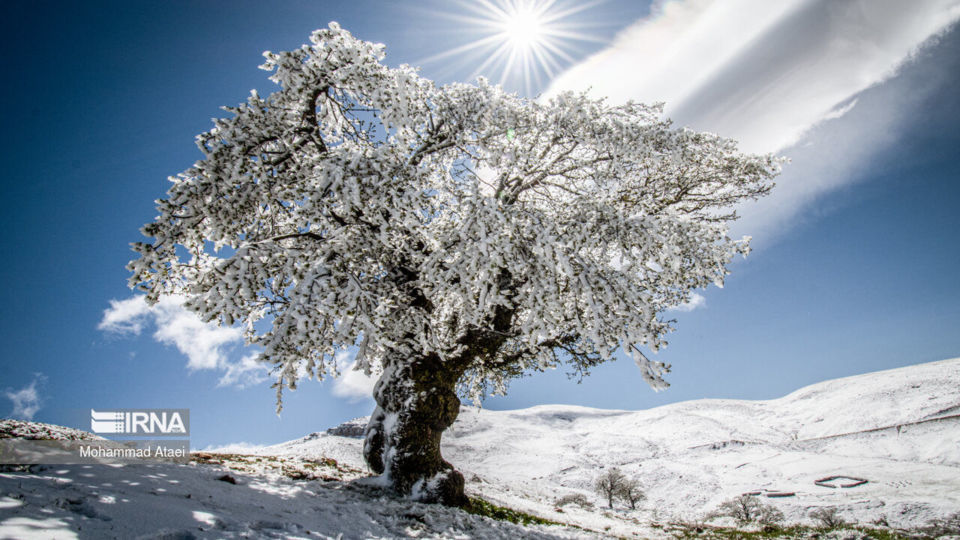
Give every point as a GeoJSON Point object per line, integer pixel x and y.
{"type": "Point", "coordinates": [898, 429]}
{"type": "Point", "coordinates": [895, 428]}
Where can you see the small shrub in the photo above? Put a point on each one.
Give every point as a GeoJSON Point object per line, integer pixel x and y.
{"type": "Point", "coordinates": [828, 517]}
{"type": "Point", "coordinates": [748, 509]}
{"type": "Point", "coordinates": [578, 499]}
{"type": "Point", "coordinates": [769, 515]}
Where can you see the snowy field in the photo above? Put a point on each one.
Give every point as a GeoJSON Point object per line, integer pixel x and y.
{"type": "Point", "coordinates": [899, 430]}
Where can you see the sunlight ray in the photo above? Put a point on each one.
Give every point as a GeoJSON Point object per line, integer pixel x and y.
{"type": "Point", "coordinates": [511, 59]}
{"type": "Point", "coordinates": [501, 50]}
{"type": "Point", "coordinates": [570, 35]}
{"type": "Point", "coordinates": [476, 44]}
{"type": "Point", "coordinates": [555, 50]}
{"type": "Point", "coordinates": [550, 65]}
{"type": "Point", "coordinates": [552, 16]}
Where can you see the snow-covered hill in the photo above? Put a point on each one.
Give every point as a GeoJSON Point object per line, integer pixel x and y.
{"type": "Point", "coordinates": [897, 429]}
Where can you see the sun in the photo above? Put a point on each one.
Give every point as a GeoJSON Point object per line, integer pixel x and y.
{"type": "Point", "coordinates": [520, 44]}
{"type": "Point", "coordinates": [523, 29]}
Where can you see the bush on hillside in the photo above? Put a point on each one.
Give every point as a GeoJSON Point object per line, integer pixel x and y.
{"type": "Point", "coordinates": [828, 517]}
{"type": "Point", "coordinates": [748, 509]}
{"type": "Point", "coordinates": [578, 499]}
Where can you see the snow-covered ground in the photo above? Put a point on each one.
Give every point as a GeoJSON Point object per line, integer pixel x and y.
{"type": "Point", "coordinates": [897, 429]}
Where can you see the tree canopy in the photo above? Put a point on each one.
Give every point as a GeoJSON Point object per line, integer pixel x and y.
{"type": "Point", "coordinates": [363, 205]}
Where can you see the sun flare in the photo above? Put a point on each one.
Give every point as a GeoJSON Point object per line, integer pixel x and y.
{"type": "Point", "coordinates": [523, 29]}
{"type": "Point", "coordinates": [521, 44]}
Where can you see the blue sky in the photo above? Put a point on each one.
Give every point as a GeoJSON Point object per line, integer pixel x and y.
{"type": "Point", "coordinates": [856, 252]}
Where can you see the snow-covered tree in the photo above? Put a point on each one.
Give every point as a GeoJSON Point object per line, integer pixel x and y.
{"type": "Point", "coordinates": [630, 492]}
{"type": "Point", "coordinates": [610, 484]}
{"type": "Point", "coordinates": [457, 236]}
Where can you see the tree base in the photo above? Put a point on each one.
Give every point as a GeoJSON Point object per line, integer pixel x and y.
{"type": "Point", "coordinates": [446, 488]}
{"type": "Point", "coordinates": [415, 404]}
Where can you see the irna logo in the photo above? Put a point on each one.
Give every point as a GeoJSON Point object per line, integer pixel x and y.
{"type": "Point", "coordinates": [153, 422]}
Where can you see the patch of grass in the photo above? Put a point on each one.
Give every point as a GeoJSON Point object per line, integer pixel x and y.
{"type": "Point", "coordinates": [482, 507]}
{"type": "Point", "coordinates": [770, 531]}
{"type": "Point", "coordinates": [775, 531]}
{"type": "Point", "coordinates": [885, 534]}
{"type": "Point", "coordinates": [295, 468]}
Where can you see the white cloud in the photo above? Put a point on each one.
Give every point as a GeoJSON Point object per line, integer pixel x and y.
{"type": "Point", "coordinates": [26, 401]}
{"type": "Point", "coordinates": [352, 384]}
{"type": "Point", "coordinates": [233, 448]}
{"type": "Point", "coordinates": [126, 316]}
{"type": "Point", "coordinates": [766, 73]}
{"type": "Point", "coordinates": [208, 346]}
{"type": "Point", "coordinates": [205, 345]}
{"type": "Point", "coordinates": [672, 53]}
{"type": "Point", "coordinates": [696, 301]}
{"type": "Point", "coordinates": [243, 373]}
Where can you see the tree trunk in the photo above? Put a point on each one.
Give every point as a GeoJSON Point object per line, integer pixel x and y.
{"type": "Point", "coordinates": [416, 402]}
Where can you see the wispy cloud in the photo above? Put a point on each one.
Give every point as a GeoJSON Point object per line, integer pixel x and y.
{"type": "Point", "coordinates": [207, 346]}
{"type": "Point", "coordinates": [696, 301]}
{"type": "Point", "coordinates": [840, 110]}
{"type": "Point", "coordinates": [352, 384]}
{"type": "Point", "coordinates": [767, 73]}
{"type": "Point", "coordinates": [244, 372]}
{"type": "Point", "coordinates": [234, 448]}
{"type": "Point", "coordinates": [26, 401]}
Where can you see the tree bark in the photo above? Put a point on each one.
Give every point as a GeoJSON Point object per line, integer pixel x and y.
{"type": "Point", "coordinates": [416, 402]}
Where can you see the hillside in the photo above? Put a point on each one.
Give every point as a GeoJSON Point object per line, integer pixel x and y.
{"type": "Point", "coordinates": [899, 430]}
